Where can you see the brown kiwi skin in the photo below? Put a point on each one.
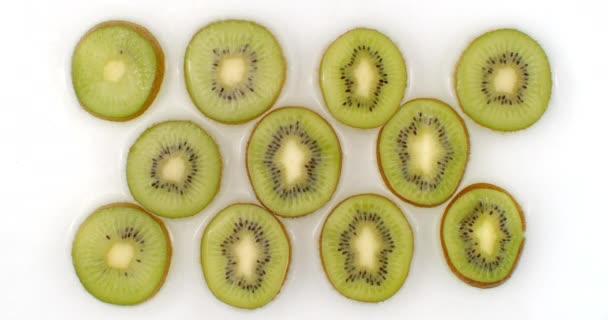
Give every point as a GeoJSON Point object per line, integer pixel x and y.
{"type": "Point", "coordinates": [160, 66]}
{"type": "Point", "coordinates": [482, 285]}
{"type": "Point", "coordinates": [466, 161]}
{"type": "Point", "coordinates": [321, 238]}
{"type": "Point", "coordinates": [165, 232]}
{"type": "Point", "coordinates": [221, 168]}
{"type": "Point", "coordinates": [454, 76]}
{"type": "Point", "coordinates": [407, 81]}
{"type": "Point", "coordinates": [269, 105]}
{"type": "Point", "coordinates": [284, 232]}
{"type": "Point", "coordinates": [249, 174]}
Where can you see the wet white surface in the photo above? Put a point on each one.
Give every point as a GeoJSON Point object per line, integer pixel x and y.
{"type": "Point", "coordinates": [59, 163]}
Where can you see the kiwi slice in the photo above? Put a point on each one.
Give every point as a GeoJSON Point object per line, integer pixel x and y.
{"type": "Point", "coordinates": [117, 69]}
{"type": "Point", "coordinates": [482, 234]}
{"type": "Point", "coordinates": [234, 70]}
{"type": "Point", "coordinates": [245, 254]}
{"type": "Point", "coordinates": [363, 78]}
{"type": "Point", "coordinates": [422, 152]}
{"type": "Point", "coordinates": [503, 80]}
{"type": "Point", "coordinates": [174, 169]}
{"type": "Point", "coordinates": [122, 254]}
{"type": "Point", "coordinates": [366, 247]}
{"type": "Point", "coordinates": [293, 161]}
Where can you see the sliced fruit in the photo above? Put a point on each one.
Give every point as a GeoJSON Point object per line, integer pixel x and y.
{"type": "Point", "coordinates": [117, 69]}
{"type": "Point", "coordinates": [245, 255]}
{"type": "Point", "coordinates": [234, 70]}
{"type": "Point", "coordinates": [363, 78]}
{"type": "Point", "coordinates": [503, 80]}
{"type": "Point", "coordinates": [482, 234]}
{"type": "Point", "coordinates": [174, 169]}
{"type": "Point", "coordinates": [293, 161]}
{"type": "Point", "coordinates": [122, 254]}
{"type": "Point", "coordinates": [422, 152]}
{"type": "Point", "coordinates": [366, 248]}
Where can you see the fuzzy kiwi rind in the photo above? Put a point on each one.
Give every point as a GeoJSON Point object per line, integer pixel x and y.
{"type": "Point", "coordinates": [385, 179]}
{"type": "Point", "coordinates": [320, 244]}
{"type": "Point", "coordinates": [160, 66]}
{"type": "Point", "coordinates": [191, 94]}
{"type": "Point", "coordinates": [166, 233]}
{"type": "Point", "coordinates": [249, 174]}
{"type": "Point", "coordinates": [455, 84]}
{"type": "Point", "coordinates": [282, 229]}
{"type": "Point", "coordinates": [323, 94]}
{"type": "Point", "coordinates": [474, 283]}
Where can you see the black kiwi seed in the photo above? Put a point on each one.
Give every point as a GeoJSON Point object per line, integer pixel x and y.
{"type": "Point", "coordinates": [512, 59]}
{"type": "Point", "coordinates": [166, 151]}
{"type": "Point", "coordinates": [274, 146]}
{"type": "Point", "coordinates": [237, 92]}
{"type": "Point", "coordinates": [226, 246]}
{"type": "Point", "coordinates": [344, 247]}
{"type": "Point", "coordinates": [350, 99]}
{"type": "Point", "coordinates": [424, 184]}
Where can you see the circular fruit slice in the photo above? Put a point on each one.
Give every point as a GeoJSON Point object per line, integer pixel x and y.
{"type": "Point", "coordinates": [174, 169]}
{"type": "Point", "coordinates": [482, 234]}
{"type": "Point", "coordinates": [245, 255]}
{"type": "Point", "coordinates": [234, 70]}
{"type": "Point", "coordinates": [117, 69]}
{"type": "Point", "coordinates": [122, 254]}
{"type": "Point", "coordinates": [293, 161]}
{"type": "Point", "coordinates": [363, 78]}
{"type": "Point", "coordinates": [422, 152]}
{"type": "Point", "coordinates": [366, 248]}
{"type": "Point", "coordinates": [503, 80]}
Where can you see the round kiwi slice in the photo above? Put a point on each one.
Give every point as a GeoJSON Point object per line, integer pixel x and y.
{"type": "Point", "coordinates": [422, 152]}
{"type": "Point", "coordinates": [117, 69]}
{"type": "Point", "coordinates": [245, 254]}
{"type": "Point", "coordinates": [293, 161]}
{"type": "Point", "coordinates": [122, 254]}
{"type": "Point", "coordinates": [174, 169]}
{"type": "Point", "coordinates": [503, 80]}
{"type": "Point", "coordinates": [366, 247]}
{"type": "Point", "coordinates": [363, 78]}
{"type": "Point", "coordinates": [482, 234]}
{"type": "Point", "coordinates": [234, 70]}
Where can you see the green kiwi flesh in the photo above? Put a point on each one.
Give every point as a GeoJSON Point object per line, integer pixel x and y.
{"type": "Point", "coordinates": [121, 254]}
{"type": "Point", "coordinates": [422, 152]}
{"type": "Point", "coordinates": [503, 80]}
{"type": "Point", "coordinates": [366, 248]}
{"type": "Point", "coordinates": [174, 169]}
{"type": "Point", "coordinates": [482, 234]}
{"type": "Point", "coordinates": [293, 161]}
{"type": "Point", "coordinates": [245, 256]}
{"type": "Point", "coordinates": [234, 70]}
{"type": "Point", "coordinates": [117, 69]}
{"type": "Point", "coordinates": [362, 78]}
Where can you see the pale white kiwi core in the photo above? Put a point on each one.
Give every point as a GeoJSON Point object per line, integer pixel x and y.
{"type": "Point", "coordinates": [486, 233]}
{"type": "Point", "coordinates": [246, 253]}
{"type": "Point", "coordinates": [365, 78]}
{"type": "Point", "coordinates": [292, 158]}
{"type": "Point", "coordinates": [366, 246]}
{"type": "Point", "coordinates": [425, 151]}
{"type": "Point", "coordinates": [232, 70]}
{"type": "Point", "coordinates": [120, 255]}
{"type": "Point", "coordinates": [114, 70]}
{"type": "Point", "coordinates": [173, 169]}
{"type": "Point", "coordinates": [505, 80]}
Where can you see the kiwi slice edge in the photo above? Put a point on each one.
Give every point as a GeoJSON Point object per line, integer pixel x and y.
{"type": "Point", "coordinates": [160, 66]}
{"type": "Point", "coordinates": [455, 271]}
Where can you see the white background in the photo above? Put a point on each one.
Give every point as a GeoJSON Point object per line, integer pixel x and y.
{"type": "Point", "coordinates": [58, 163]}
